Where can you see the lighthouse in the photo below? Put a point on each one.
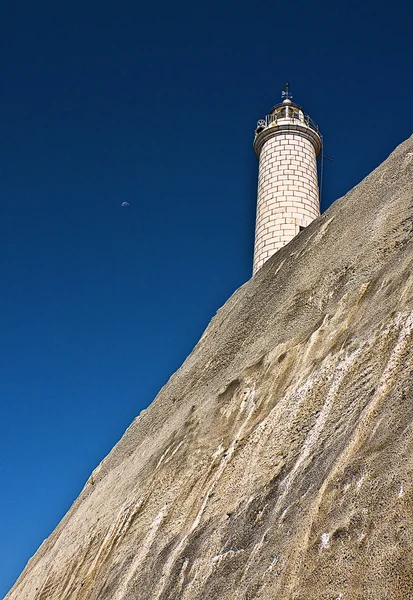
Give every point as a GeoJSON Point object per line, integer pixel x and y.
{"type": "Point", "coordinates": [287, 143]}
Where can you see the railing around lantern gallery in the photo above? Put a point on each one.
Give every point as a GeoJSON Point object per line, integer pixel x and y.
{"type": "Point", "coordinates": [281, 118]}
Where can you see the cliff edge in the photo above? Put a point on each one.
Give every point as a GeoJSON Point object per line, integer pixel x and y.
{"type": "Point", "coordinates": [277, 463]}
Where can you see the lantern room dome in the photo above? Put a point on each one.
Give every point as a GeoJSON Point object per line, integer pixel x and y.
{"type": "Point", "coordinates": [287, 116]}
{"type": "Point", "coordinates": [287, 110]}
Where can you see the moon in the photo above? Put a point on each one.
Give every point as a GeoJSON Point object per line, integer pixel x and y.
{"type": "Point", "coordinates": [125, 204]}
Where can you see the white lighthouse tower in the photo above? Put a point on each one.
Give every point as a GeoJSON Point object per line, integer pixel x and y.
{"type": "Point", "coordinates": [287, 143]}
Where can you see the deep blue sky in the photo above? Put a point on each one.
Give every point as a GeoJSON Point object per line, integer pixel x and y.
{"type": "Point", "coordinates": [153, 104]}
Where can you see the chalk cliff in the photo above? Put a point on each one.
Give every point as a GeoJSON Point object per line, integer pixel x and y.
{"type": "Point", "coordinates": [277, 463]}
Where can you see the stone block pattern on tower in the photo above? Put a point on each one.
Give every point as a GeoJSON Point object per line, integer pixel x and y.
{"type": "Point", "coordinates": [288, 195]}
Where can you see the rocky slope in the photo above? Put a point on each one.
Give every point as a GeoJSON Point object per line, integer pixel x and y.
{"type": "Point", "coordinates": [277, 463]}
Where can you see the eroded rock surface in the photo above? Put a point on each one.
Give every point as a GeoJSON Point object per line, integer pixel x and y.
{"type": "Point", "coordinates": [277, 463]}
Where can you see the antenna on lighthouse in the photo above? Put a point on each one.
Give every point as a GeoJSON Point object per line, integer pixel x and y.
{"type": "Point", "coordinates": [286, 95]}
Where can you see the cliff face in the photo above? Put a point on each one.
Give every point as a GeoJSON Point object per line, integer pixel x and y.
{"type": "Point", "coordinates": [277, 463]}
